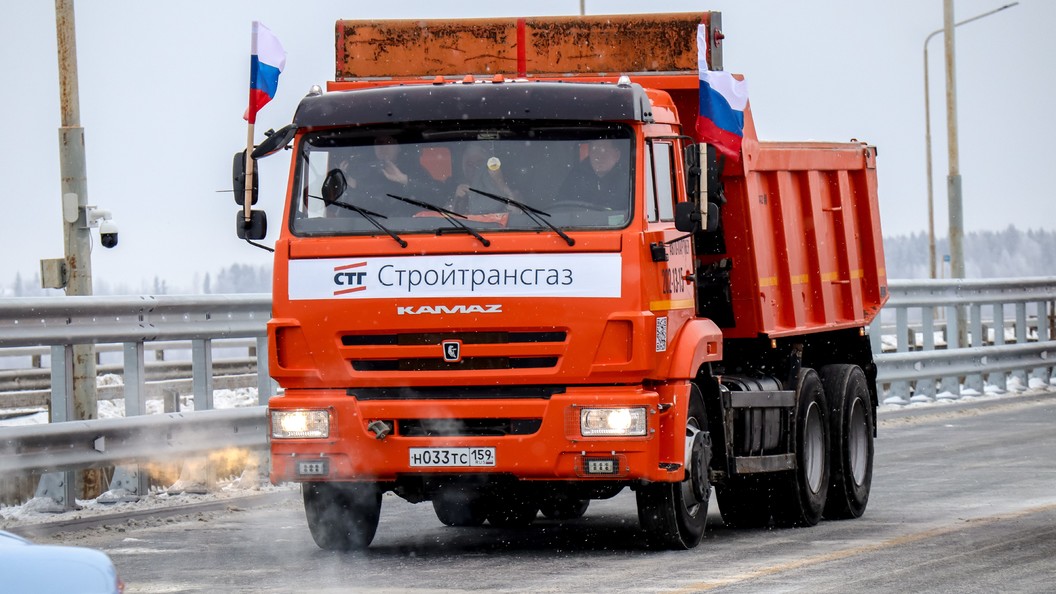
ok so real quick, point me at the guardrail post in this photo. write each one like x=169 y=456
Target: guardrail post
x=998 y=378
x=1042 y=310
x=925 y=391
x=202 y=373
x=130 y=483
x=1021 y=338
x=951 y=386
x=974 y=381
x=135 y=379
x=199 y=476
x=900 y=392
x=59 y=487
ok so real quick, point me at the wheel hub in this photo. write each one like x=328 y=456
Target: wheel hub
x=698 y=457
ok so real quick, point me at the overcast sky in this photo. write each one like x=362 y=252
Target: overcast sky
x=163 y=86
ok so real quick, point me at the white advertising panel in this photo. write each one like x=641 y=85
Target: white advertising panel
x=513 y=275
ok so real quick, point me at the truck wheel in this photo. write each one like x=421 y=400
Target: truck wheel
x=673 y=515
x=563 y=508
x=800 y=495
x=460 y=508
x=851 y=447
x=342 y=516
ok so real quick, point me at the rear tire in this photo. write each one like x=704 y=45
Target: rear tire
x=851 y=447
x=800 y=495
x=674 y=515
x=342 y=516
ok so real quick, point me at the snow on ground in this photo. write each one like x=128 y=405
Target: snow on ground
x=1013 y=386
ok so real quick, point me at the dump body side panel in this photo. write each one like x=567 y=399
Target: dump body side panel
x=802 y=229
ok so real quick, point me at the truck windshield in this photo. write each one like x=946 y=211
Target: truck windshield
x=574 y=175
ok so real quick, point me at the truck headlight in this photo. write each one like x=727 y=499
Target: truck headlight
x=607 y=422
x=300 y=424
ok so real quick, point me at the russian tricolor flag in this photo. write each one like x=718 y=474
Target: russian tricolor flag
x=268 y=61
x=722 y=102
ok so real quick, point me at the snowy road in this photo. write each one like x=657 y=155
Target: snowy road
x=964 y=500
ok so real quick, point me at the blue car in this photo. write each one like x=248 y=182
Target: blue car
x=46 y=569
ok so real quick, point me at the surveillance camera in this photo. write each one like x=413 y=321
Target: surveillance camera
x=108 y=233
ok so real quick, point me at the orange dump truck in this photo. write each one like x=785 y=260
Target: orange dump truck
x=510 y=279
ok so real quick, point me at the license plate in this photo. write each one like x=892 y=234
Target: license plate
x=313 y=468
x=452 y=457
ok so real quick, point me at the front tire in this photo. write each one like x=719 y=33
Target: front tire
x=851 y=450
x=342 y=516
x=674 y=515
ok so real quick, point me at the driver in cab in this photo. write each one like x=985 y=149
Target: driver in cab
x=600 y=179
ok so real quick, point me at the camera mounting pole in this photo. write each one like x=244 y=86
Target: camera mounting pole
x=77 y=236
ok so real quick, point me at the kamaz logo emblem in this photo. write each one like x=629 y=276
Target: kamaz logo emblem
x=452 y=350
x=411 y=310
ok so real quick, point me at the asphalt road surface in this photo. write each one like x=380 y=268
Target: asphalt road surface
x=963 y=500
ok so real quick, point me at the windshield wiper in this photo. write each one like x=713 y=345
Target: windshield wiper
x=447 y=214
x=371 y=216
x=533 y=213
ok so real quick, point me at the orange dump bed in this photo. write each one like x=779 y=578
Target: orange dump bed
x=802 y=228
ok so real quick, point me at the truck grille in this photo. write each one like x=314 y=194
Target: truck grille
x=466 y=427
x=455 y=392
x=475 y=363
x=425 y=338
x=403 y=352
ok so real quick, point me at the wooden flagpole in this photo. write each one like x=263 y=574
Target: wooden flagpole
x=247 y=203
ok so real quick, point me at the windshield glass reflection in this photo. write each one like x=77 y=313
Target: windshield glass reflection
x=490 y=177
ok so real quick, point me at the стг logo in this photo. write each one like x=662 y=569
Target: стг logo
x=352 y=281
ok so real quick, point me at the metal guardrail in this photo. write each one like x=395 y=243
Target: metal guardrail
x=61 y=323
x=127 y=440
x=133 y=321
x=1019 y=312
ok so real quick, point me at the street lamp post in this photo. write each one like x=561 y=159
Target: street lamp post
x=927 y=136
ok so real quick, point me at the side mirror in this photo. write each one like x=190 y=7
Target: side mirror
x=238 y=179
x=255 y=228
x=274 y=141
x=334 y=186
x=694 y=217
x=688 y=216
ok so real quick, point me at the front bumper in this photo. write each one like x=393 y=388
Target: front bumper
x=554 y=451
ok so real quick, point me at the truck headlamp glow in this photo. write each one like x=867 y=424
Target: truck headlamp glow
x=300 y=424
x=608 y=422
